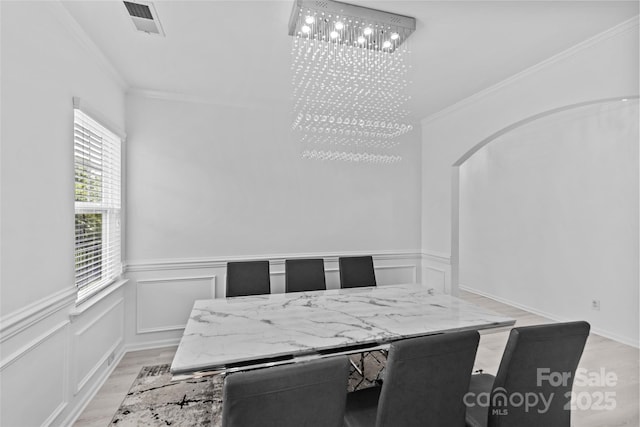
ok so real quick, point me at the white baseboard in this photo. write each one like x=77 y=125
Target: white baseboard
x=555 y=318
x=91 y=393
x=150 y=345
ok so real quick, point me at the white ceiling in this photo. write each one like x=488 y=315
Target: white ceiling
x=238 y=52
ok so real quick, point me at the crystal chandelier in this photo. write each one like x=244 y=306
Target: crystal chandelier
x=349 y=67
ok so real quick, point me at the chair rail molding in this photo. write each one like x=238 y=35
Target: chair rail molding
x=20 y=320
x=162 y=292
x=440 y=257
x=274 y=259
x=12 y=358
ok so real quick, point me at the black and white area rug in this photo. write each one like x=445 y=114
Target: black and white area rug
x=154 y=400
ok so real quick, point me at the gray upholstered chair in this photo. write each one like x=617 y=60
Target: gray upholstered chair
x=356 y=271
x=248 y=278
x=534 y=360
x=425 y=382
x=304 y=275
x=310 y=394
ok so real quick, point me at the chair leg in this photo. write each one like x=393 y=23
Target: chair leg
x=363 y=356
x=355 y=366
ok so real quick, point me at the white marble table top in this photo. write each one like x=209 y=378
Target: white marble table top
x=228 y=332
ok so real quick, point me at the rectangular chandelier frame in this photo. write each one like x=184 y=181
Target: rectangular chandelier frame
x=348 y=24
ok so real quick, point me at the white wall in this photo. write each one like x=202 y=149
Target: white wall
x=209 y=183
x=549 y=216
x=216 y=166
x=604 y=67
x=48 y=356
x=237 y=177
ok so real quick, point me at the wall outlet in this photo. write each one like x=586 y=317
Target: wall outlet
x=111 y=358
x=595 y=304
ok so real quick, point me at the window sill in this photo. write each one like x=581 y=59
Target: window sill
x=91 y=300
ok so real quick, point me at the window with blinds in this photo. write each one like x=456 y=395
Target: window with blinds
x=97 y=204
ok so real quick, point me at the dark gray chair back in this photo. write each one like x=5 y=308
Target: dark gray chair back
x=356 y=271
x=310 y=394
x=248 y=278
x=304 y=275
x=556 y=350
x=426 y=381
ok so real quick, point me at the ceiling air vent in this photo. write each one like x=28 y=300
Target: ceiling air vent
x=144 y=17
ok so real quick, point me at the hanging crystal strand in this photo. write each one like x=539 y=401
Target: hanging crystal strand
x=348 y=93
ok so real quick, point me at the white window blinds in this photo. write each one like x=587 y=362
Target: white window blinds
x=97 y=153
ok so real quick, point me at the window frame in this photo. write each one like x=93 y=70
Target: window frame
x=87 y=291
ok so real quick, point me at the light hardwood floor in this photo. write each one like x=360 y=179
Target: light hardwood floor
x=600 y=354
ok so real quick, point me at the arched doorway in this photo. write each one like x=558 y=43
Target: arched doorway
x=545 y=211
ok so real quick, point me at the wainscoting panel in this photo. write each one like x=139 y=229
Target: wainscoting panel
x=436 y=272
x=164 y=304
x=96 y=341
x=34 y=380
x=162 y=292
x=436 y=278
x=396 y=274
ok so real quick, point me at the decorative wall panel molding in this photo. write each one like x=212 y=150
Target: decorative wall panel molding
x=165 y=295
x=436 y=278
x=12 y=358
x=96 y=341
x=41 y=367
x=164 y=303
x=436 y=271
x=396 y=274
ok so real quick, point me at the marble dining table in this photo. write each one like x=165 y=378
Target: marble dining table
x=237 y=333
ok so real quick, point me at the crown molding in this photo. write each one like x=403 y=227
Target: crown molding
x=173 y=96
x=83 y=39
x=617 y=30
x=162 y=95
